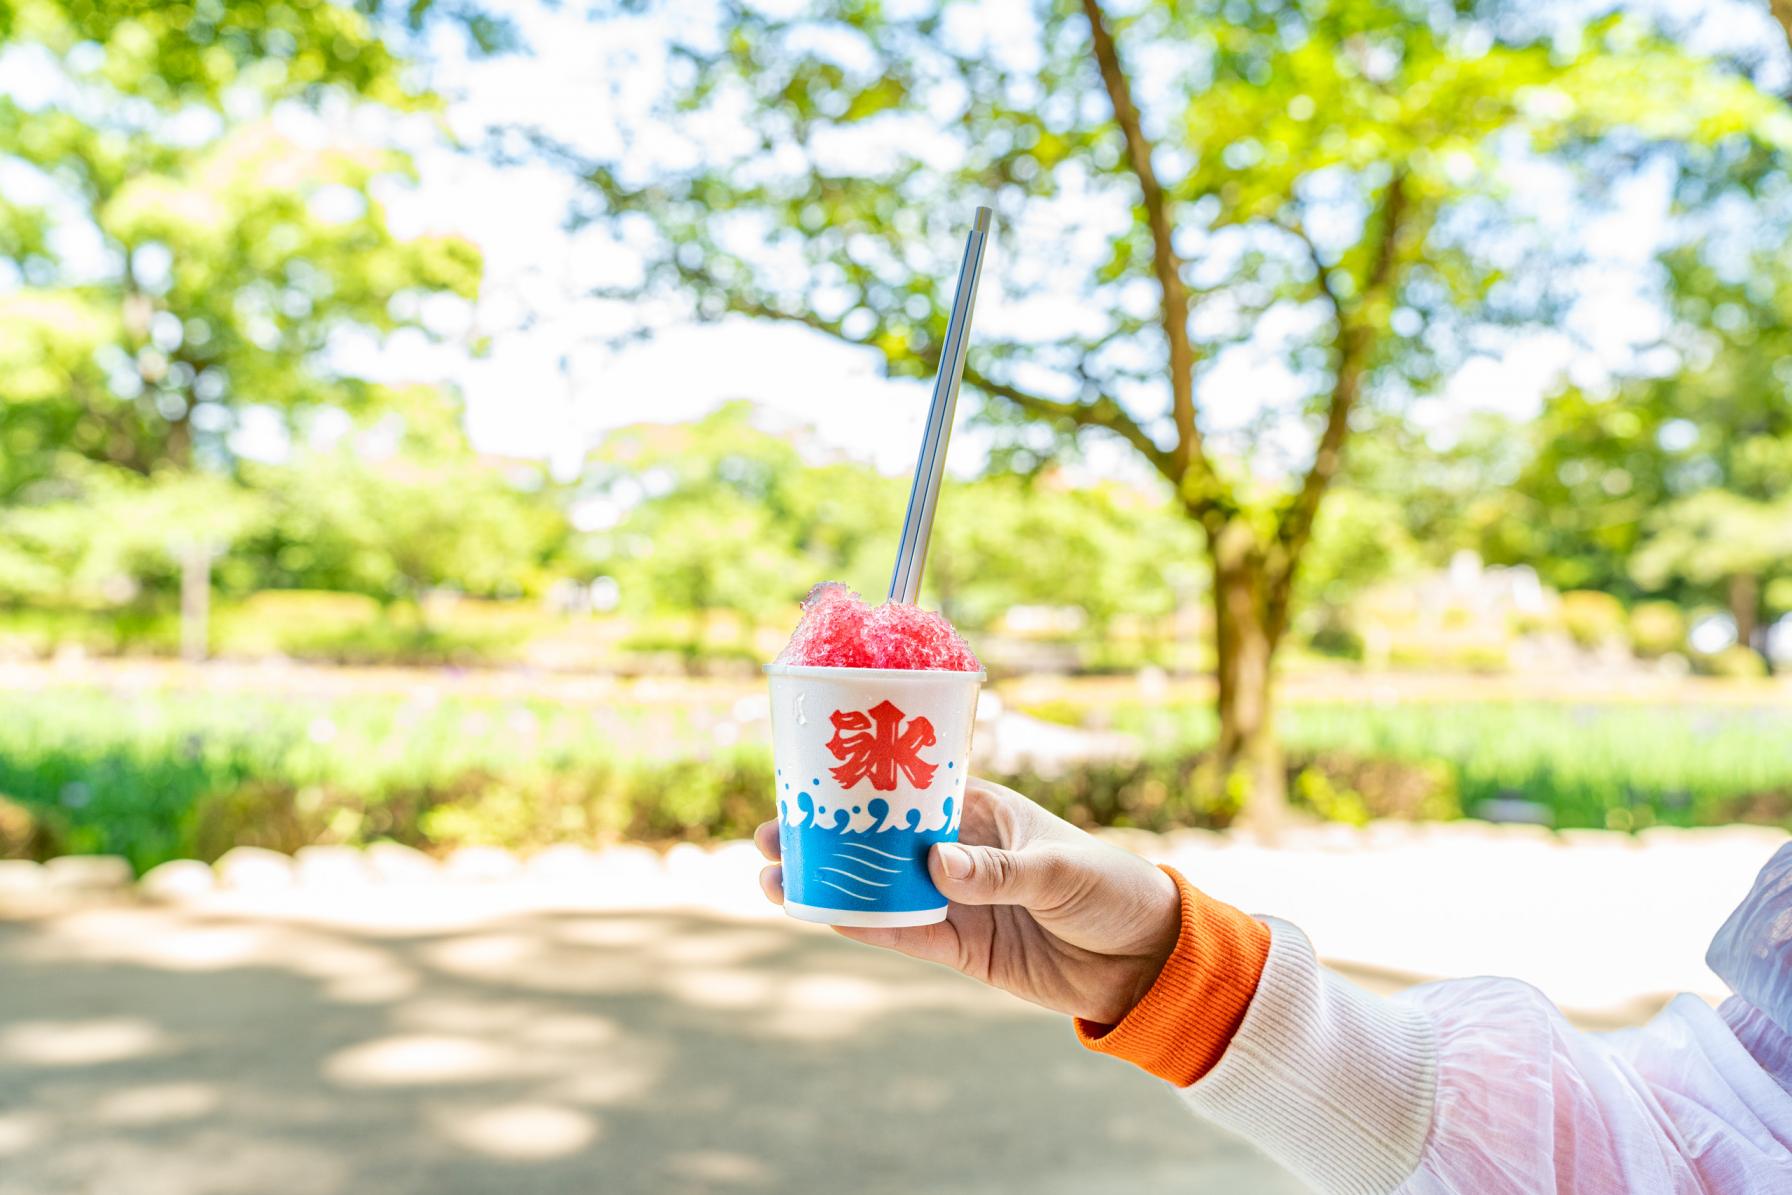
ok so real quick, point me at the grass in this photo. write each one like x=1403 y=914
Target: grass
x=155 y=775
x=1592 y=765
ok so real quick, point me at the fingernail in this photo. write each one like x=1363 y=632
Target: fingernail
x=955 y=861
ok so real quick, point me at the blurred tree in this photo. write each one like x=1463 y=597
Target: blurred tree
x=721 y=515
x=96 y=535
x=1739 y=546
x=1359 y=539
x=402 y=507
x=1680 y=482
x=178 y=253
x=1107 y=552
x=1185 y=188
x=1596 y=469
x=717 y=516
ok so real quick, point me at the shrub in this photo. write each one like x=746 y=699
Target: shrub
x=266 y=813
x=1657 y=628
x=1335 y=638
x=27 y=833
x=1735 y=662
x=1592 y=618
x=1058 y=711
x=160 y=776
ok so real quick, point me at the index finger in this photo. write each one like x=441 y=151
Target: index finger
x=766 y=839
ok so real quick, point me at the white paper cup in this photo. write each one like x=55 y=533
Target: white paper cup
x=871 y=769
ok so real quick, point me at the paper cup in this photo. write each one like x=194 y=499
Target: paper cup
x=871 y=769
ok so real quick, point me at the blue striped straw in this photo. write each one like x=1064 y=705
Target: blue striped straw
x=930 y=468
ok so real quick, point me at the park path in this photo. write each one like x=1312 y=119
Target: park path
x=625 y=1023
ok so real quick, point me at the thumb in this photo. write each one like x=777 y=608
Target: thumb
x=987 y=875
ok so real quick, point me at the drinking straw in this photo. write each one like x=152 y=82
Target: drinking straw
x=930 y=468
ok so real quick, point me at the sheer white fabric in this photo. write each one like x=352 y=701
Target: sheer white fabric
x=1526 y=1103
x=1695 y=1101
x=1480 y=1087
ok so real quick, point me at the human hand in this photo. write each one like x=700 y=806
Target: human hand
x=1039 y=908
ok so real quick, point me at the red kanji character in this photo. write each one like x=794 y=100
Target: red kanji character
x=881 y=752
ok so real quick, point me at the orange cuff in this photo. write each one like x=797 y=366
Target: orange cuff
x=1187 y=1019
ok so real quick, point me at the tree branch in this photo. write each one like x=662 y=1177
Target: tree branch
x=1189 y=452
x=1103 y=413
x=1321 y=271
x=1355 y=339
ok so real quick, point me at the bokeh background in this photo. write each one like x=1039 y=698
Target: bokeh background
x=419 y=420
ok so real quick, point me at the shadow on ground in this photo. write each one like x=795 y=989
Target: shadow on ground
x=161 y=1052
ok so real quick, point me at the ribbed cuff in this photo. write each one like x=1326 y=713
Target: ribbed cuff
x=1335 y=1084
x=1182 y=1026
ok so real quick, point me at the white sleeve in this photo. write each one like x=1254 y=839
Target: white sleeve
x=1479 y=1087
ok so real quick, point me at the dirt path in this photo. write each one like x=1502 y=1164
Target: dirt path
x=185 y=1051
x=637 y=1024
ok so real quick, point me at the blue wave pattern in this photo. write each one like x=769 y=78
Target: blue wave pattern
x=828 y=866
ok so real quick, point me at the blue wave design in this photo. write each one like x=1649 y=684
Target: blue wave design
x=873 y=866
x=857 y=879
x=848 y=892
x=887 y=854
x=829 y=866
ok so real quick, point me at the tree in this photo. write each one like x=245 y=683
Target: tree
x=1108 y=552
x=400 y=507
x=176 y=258
x=724 y=516
x=711 y=517
x=1738 y=546
x=1182 y=188
x=1677 y=481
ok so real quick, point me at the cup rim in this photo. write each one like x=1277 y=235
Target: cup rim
x=814 y=672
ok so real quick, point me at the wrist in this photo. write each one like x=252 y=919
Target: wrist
x=1185 y=1020
x=1164 y=914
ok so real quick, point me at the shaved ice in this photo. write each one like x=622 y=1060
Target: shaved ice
x=839 y=630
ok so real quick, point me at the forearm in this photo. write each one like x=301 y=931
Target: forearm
x=1334 y=1083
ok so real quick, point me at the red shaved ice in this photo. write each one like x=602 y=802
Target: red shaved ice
x=839 y=630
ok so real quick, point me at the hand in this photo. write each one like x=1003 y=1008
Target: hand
x=1039 y=908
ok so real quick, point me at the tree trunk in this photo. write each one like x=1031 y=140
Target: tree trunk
x=1249 y=758
x=195 y=601
x=1745 y=611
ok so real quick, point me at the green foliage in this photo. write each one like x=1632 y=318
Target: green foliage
x=1676 y=484
x=1713 y=535
x=1279 y=133
x=719 y=516
x=421 y=514
x=111 y=533
x=1109 y=552
x=187 y=257
x=155 y=776
x=1680 y=765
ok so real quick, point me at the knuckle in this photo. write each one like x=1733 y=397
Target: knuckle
x=1058 y=878
x=998 y=867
